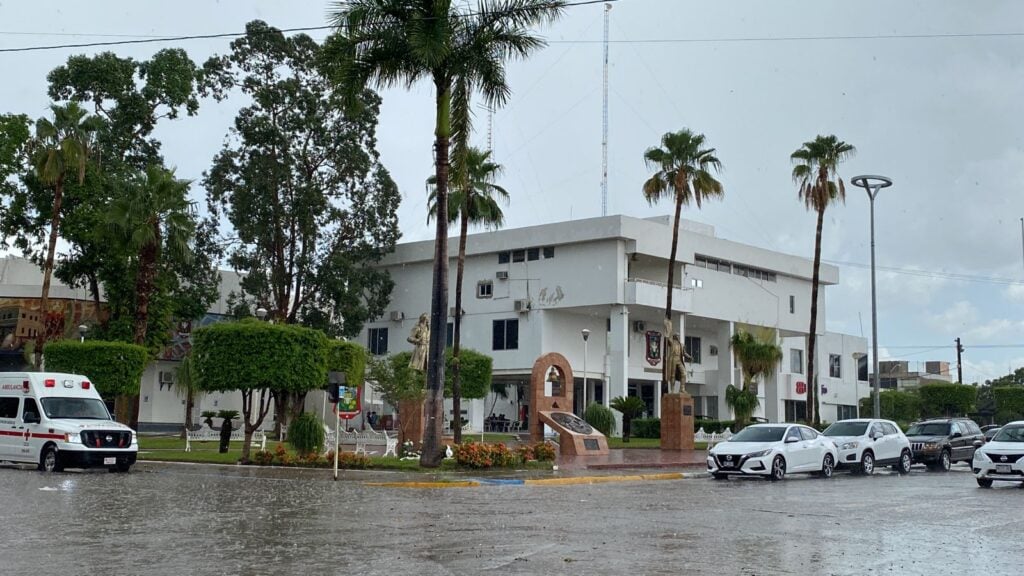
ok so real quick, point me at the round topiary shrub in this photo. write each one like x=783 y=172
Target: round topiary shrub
x=600 y=417
x=306 y=434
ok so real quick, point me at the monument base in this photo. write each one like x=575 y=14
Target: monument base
x=677 y=422
x=577 y=438
x=410 y=422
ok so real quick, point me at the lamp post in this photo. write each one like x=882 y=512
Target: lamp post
x=82 y=329
x=261 y=313
x=872 y=184
x=586 y=336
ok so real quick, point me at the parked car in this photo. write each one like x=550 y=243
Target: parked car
x=940 y=442
x=773 y=450
x=865 y=443
x=1002 y=458
x=990 y=432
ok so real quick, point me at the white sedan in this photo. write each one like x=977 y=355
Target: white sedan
x=1001 y=458
x=772 y=450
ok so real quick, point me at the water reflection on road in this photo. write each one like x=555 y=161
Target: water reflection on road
x=197 y=520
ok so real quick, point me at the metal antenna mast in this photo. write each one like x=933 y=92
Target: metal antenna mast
x=490 y=128
x=604 y=123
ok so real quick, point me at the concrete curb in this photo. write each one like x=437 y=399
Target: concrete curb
x=570 y=481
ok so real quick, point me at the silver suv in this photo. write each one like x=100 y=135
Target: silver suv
x=865 y=443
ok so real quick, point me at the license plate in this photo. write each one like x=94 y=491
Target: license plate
x=109 y=461
x=1002 y=468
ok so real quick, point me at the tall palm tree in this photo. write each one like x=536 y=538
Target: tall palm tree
x=61 y=148
x=683 y=171
x=816 y=174
x=758 y=356
x=474 y=200
x=461 y=50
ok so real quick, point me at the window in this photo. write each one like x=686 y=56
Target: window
x=449 y=336
x=955 y=428
x=835 y=366
x=518 y=255
x=533 y=254
x=876 y=430
x=889 y=429
x=808 y=434
x=795 y=410
x=29 y=406
x=844 y=412
x=796 y=361
x=862 y=368
x=792 y=304
x=887 y=383
x=700 y=262
x=549 y=252
x=696 y=283
x=377 y=341
x=503 y=257
x=484 y=289
x=8 y=407
x=711 y=407
x=692 y=346
x=505 y=334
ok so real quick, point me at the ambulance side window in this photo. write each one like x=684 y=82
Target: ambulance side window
x=8 y=407
x=30 y=406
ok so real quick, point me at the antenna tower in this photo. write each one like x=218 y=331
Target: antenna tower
x=604 y=123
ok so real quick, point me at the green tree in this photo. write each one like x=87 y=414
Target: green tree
x=898 y=405
x=115 y=368
x=684 y=171
x=398 y=384
x=61 y=148
x=461 y=50
x=474 y=200
x=476 y=371
x=947 y=399
x=630 y=408
x=185 y=385
x=816 y=173
x=259 y=359
x=758 y=356
x=15 y=134
x=1009 y=402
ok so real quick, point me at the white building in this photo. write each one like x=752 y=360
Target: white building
x=530 y=291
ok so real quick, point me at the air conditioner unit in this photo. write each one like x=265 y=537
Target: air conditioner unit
x=167 y=377
x=501 y=274
x=639 y=326
x=522 y=305
x=397 y=316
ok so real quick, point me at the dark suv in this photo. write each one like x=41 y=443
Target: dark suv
x=938 y=443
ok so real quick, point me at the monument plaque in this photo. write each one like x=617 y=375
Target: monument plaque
x=576 y=436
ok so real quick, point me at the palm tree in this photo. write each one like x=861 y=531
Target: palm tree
x=758 y=356
x=473 y=200
x=61 y=147
x=684 y=167
x=461 y=50
x=816 y=174
x=630 y=407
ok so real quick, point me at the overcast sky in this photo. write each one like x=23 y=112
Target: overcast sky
x=941 y=116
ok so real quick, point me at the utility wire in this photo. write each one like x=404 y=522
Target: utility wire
x=933 y=274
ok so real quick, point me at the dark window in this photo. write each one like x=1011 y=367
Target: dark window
x=700 y=262
x=796 y=361
x=29 y=406
x=449 y=337
x=533 y=254
x=795 y=410
x=887 y=383
x=518 y=255
x=835 y=366
x=792 y=304
x=378 y=341
x=549 y=252
x=503 y=257
x=846 y=412
x=484 y=289
x=505 y=334
x=8 y=407
x=692 y=346
x=808 y=434
x=862 y=368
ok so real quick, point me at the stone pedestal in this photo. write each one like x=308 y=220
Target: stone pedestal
x=677 y=422
x=410 y=422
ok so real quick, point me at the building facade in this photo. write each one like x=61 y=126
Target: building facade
x=898 y=375
x=534 y=290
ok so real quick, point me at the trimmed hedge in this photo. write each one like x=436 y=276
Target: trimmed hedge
x=713 y=426
x=347 y=357
x=646 y=428
x=474 y=374
x=896 y=405
x=947 y=399
x=1009 y=403
x=115 y=368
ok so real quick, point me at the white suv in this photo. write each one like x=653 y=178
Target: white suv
x=865 y=443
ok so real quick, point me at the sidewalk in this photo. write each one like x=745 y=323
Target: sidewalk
x=636 y=459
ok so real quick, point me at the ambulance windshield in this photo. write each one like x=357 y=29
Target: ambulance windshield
x=79 y=408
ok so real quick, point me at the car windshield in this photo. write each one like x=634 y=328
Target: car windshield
x=760 y=434
x=846 y=429
x=929 y=429
x=1010 y=434
x=82 y=408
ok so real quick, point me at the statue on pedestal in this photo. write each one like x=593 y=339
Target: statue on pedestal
x=420 y=339
x=675 y=360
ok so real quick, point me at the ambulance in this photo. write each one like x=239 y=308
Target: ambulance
x=58 y=421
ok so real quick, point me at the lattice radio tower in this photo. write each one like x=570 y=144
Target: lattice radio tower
x=604 y=120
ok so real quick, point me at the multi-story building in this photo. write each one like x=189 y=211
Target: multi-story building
x=534 y=290
x=897 y=375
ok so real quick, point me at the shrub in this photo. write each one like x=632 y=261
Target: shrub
x=601 y=418
x=897 y=405
x=947 y=399
x=306 y=434
x=282 y=457
x=347 y=460
x=714 y=426
x=647 y=428
x=544 y=452
x=263 y=458
x=115 y=368
x=477 y=455
x=1009 y=403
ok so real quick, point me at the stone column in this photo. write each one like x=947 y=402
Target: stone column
x=618 y=350
x=726 y=368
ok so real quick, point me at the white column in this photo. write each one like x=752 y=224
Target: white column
x=618 y=351
x=726 y=368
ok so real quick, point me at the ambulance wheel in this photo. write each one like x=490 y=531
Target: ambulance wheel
x=49 y=462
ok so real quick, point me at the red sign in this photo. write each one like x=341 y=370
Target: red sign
x=801 y=388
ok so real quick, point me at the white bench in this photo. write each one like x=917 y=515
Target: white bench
x=207 y=434
x=364 y=438
x=713 y=438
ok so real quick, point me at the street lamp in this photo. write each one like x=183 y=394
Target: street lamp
x=82 y=329
x=871 y=185
x=261 y=313
x=586 y=335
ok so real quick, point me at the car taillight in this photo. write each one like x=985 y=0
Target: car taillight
x=85 y=384
x=50 y=383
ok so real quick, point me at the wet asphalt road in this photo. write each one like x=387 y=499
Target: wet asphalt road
x=177 y=520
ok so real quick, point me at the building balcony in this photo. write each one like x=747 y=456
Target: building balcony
x=641 y=292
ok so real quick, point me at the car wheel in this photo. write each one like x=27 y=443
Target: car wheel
x=944 y=461
x=124 y=468
x=867 y=463
x=49 y=462
x=984 y=482
x=718 y=476
x=778 y=469
x=828 y=466
x=903 y=467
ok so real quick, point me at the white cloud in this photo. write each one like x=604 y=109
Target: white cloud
x=998 y=327
x=1014 y=293
x=961 y=314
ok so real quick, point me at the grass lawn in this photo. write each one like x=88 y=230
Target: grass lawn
x=646 y=443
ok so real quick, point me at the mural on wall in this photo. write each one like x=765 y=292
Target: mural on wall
x=550 y=297
x=653 y=348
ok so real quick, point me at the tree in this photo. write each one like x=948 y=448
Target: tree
x=15 y=134
x=819 y=186
x=115 y=368
x=399 y=385
x=902 y=406
x=461 y=50
x=946 y=399
x=61 y=147
x=630 y=407
x=259 y=359
x=474 y=200
x=185 y=384
x=758 y=357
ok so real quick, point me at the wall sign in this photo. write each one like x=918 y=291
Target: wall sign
x=801 y=388
x=653 y=347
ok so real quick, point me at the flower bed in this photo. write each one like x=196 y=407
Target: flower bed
x=282 y=457
x=477 y=455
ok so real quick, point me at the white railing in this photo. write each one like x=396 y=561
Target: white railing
x=207 y=434
x=713 y=438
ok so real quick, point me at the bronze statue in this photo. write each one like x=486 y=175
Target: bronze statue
x=420 y=339
x=675 y=361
